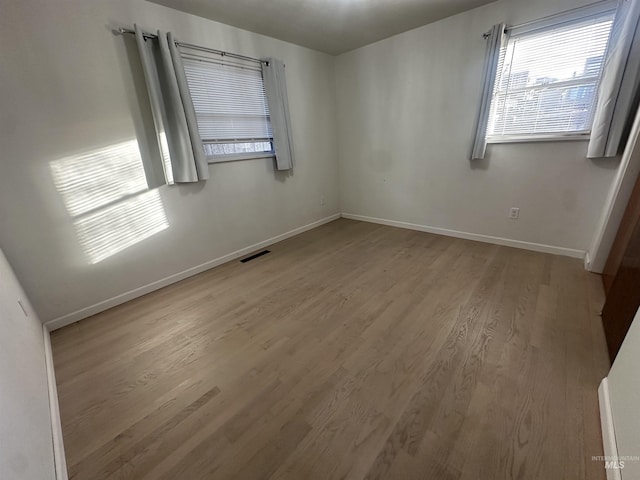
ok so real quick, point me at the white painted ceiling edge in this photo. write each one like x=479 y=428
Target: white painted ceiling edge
x=330 y=26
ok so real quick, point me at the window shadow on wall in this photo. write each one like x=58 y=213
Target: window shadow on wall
x=105 y=192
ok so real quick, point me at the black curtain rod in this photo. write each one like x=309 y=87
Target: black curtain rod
x=198 y=47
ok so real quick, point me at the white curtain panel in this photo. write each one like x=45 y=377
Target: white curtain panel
x=275 y=86
x=202 y=166
x=179 y=142
x=620 y=83
x=492 y=55
x=155 y=166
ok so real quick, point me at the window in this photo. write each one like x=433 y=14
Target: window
x=230 y=105
x=547 y=80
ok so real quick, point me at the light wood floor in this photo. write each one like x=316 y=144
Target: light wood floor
x=351 y=351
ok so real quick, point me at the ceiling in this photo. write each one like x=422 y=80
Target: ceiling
x=331 y=26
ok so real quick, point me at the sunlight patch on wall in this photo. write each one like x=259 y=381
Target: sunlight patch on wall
x=121 y=225
x=94 y=179
x=105 y=191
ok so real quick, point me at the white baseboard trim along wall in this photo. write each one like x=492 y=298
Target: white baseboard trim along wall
x=138 y=292
x=176 y=277
x=56 y=425
x=536 y=247
x=608 y=430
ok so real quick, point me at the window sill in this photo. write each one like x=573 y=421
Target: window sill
x=240 y=157
x=538 y=138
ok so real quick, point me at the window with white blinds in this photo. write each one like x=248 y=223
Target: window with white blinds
x=547 y=80
x=231 y=107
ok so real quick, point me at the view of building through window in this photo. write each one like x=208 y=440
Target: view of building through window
x=547 y=81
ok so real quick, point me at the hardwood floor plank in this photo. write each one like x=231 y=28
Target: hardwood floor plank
x=351 y=351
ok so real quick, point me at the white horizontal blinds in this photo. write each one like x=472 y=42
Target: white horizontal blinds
x=230 y=105
x=229 y=101
x=548 y=79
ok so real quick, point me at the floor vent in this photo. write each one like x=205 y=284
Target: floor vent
x=255 y=255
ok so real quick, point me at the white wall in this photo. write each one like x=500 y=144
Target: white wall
x=26 y=447
x=405 y=113
x=407 y=109
x=617 y=200
x=624 y=394
x=68 y=86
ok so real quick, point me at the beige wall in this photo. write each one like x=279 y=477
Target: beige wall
x=26 y=448
x=624 y=393
x=70 y=86
x=407 y=110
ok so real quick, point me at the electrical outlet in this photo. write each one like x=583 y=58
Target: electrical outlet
x=322 y=201
x=514 y=213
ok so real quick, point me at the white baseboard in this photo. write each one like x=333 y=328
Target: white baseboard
x=176 y=277
x=56 y=426
x=608 y=430
x=143 y=290
x=536 y=247
x=587 y=261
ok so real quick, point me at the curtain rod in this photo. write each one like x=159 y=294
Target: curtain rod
x=599 y=6
x=198 y=47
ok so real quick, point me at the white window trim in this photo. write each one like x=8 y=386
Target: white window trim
x=570 y=16
x=533 y=138
x=232 y=157
x=547 y=23
x=211 y=159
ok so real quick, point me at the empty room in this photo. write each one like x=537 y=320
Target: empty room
x=319 y=239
